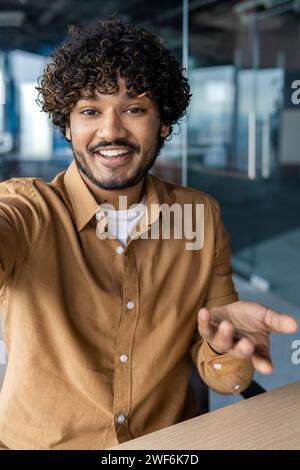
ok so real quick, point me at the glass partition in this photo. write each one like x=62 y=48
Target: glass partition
x=241 y=138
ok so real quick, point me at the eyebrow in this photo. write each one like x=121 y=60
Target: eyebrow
x=93 y=97
x=87 y=98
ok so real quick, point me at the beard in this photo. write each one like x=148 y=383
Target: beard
x=117 y=182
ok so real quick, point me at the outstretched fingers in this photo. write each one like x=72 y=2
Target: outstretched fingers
x=279 y=322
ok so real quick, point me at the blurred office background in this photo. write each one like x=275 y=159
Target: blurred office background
x=240 y=140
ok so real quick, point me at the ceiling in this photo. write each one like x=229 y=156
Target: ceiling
x=34 y=24
x=29 y=24
x=39 y=25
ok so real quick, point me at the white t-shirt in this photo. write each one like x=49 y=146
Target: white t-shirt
x=122 y=223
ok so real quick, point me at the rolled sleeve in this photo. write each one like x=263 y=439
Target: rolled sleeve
x=221 y=289
x=222 y=372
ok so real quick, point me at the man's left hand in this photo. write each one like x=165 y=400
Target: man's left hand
x=242 y=329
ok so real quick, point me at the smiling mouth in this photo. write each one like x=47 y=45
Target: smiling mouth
x=113 y=153
x=114 y=157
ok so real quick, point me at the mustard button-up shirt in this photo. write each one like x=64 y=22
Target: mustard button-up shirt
x=101 y=340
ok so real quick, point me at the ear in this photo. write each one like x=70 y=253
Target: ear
x=68 y=132
x=164 y=130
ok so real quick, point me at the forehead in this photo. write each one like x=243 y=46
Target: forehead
x=121 y=93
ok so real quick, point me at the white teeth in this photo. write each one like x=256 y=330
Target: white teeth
x=113 y=153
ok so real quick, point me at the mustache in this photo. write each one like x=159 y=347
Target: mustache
x=117 y=143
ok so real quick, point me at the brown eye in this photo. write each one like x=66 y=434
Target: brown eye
x=88 y=112
x=135 y=110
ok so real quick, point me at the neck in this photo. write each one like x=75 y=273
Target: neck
x=133 y=194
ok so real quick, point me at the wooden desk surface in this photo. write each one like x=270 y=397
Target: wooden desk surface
x=268 y=421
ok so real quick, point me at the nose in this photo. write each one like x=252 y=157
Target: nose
x=111 y=127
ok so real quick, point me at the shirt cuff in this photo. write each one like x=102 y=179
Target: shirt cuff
x=222 y=372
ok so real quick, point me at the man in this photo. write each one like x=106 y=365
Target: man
x=101 y=330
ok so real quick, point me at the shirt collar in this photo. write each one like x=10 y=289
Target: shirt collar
x=85 y=205
x=83 y=202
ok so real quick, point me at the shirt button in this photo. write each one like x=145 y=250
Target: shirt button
x=217 y=366
x=130 y=305
x=121 y=419
x=99 y=216
x=123 y=358
x=120 y=250
x=236 y=387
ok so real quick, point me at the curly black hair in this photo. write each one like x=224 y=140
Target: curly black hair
x=92 y=55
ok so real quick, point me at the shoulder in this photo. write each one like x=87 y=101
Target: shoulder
x=19 y=185
x=172 y=192
x=31 y=187
x=21 y=188
x=25 y=196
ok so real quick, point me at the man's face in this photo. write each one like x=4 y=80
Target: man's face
x=115 y=138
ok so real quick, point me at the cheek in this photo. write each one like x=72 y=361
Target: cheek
x=147 y=136
x=80 y=135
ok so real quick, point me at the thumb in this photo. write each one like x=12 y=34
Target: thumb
x=280 y=323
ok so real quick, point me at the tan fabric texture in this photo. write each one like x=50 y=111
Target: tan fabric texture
x=95 y=336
